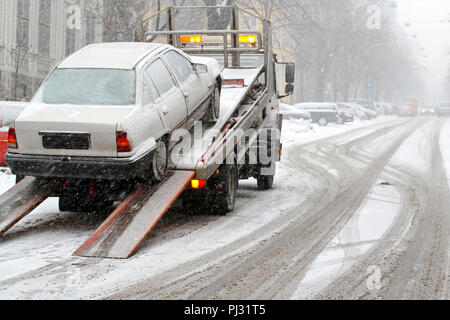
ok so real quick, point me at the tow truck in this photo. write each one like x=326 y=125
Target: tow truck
x=205 y=171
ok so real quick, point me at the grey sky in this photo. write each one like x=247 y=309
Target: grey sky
x=430 y=24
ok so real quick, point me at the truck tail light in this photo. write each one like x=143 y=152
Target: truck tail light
x=123 y=143
x=12 y=139
x=198 y=184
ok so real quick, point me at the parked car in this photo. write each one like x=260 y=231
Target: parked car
x=321 y=113
x=369 y=105
x=346 y=112
x=428 y=111
x=444 y=109
x=108 y=112
x=359 y=111
x=380 y=109
x=9 y=111
x=387 y=108
x=289 y=112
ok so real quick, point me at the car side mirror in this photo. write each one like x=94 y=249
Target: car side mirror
x=200 y=68
x=289 y=89
x=290 y=73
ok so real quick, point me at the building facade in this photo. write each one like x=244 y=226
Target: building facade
x=36 y=34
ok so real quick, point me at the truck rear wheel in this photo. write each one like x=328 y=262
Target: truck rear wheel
x=265 y=182
x=225 y=199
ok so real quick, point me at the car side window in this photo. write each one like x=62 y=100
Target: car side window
x=161 y=77
x=181 y=66
x=150 y=93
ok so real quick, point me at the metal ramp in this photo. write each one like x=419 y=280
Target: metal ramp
x=121 y=235
x=21 y=200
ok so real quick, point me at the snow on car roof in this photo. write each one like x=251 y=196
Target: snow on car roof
x=114 y=55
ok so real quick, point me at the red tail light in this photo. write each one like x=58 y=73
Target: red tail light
x=12 y=140
x=123 y=143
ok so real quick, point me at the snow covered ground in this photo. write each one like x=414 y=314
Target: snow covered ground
x=35 y=256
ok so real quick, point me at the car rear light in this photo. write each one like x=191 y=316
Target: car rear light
x=198 y=184
x=12 y=140
x=123 y=143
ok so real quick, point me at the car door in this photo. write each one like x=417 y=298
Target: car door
x=194 y=86
x=148 y=120
x=171 y=100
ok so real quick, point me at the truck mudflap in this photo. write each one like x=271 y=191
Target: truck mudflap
x=22 y=199
x=123 y=232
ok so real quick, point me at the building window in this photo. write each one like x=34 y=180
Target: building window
x=90 y=28
x=23 y=24
x=44 y=26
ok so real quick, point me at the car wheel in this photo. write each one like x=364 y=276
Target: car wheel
x=160 y=162
x=323 y=122
x=213 y=113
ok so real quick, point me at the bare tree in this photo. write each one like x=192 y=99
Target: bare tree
x=20 y=55
x=218 y=19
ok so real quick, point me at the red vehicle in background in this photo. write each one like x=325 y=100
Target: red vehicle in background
x=3 y=147
x=409 y=108
x=9 y=111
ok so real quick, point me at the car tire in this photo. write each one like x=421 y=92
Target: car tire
x=213 y=112
x=159 y=162
x=323 y=122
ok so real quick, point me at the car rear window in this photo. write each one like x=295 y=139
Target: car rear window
x=89 y=87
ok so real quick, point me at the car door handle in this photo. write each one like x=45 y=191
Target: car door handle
x=165 y=110
x=187 y=95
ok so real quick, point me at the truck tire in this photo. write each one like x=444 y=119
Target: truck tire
x=265 y=182
x=225 y=199
x=159 y=162
x=213 y=112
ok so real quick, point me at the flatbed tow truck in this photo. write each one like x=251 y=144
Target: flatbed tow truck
x=245 y=143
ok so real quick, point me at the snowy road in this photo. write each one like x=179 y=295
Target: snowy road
x=358 y=211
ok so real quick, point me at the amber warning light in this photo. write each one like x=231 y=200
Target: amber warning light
x=191 y=39
x=248 y=39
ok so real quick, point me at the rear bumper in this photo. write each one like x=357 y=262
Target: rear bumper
x=80 y=167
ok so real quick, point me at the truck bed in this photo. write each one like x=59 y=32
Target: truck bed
x=231 y=99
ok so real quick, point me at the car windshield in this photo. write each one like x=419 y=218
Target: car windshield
x=89 y=87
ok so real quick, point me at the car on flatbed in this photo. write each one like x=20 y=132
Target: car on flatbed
x=108 y=112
